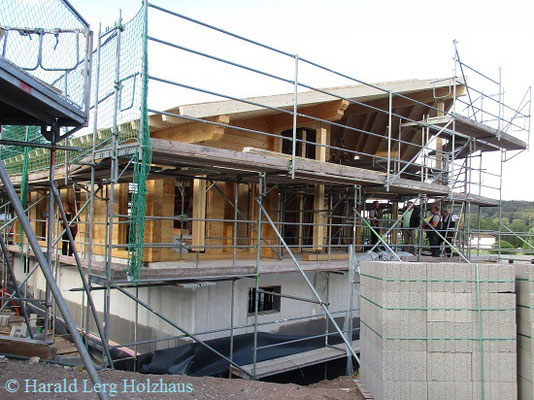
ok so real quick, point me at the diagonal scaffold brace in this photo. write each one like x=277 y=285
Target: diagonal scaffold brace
x=16 y=289
x=48 y=275
x=317 y=296
x=85 y=283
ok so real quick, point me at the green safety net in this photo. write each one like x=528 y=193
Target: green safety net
x=20 y=134
x=119 y=105
x=142 y=161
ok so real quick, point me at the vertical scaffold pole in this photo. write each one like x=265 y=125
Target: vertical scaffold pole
x=500 y=106
x=232 y=312
x=112 y=182
x=50 y=230
x=259 y=199
x=295 y=109
x=454 y=95
x=92 y=184
x=390 y=109
x=236 y=216
x=350 y=310
x=500 y=206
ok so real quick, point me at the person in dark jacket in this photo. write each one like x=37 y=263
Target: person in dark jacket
x=433 y=237
x=374 y=220
x=408 y=233
x=66 y=248
x=415 y=223
x=415 y=218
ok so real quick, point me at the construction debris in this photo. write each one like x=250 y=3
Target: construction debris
x=27 y=347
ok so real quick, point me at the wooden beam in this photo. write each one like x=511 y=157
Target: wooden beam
x=172 y=120
x=302 y=144
x=427 y=97
x=193 y=132
x=362 y=137
x=408 y=152
x=373 y=139
x=155 y=122
x=382 y=153
x=199 y=212
x=439 y=140
x=324 y=256
x=331 y=111
x=319 y=217
x=160 y=202
x=322 y=136
x=236 y=139
x=26 y=347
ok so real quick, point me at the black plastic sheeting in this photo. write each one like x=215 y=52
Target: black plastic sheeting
x=196 y=360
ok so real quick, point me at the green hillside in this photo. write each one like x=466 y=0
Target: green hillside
x=516 y=215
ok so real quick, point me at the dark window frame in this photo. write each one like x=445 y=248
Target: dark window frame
x=267 y=303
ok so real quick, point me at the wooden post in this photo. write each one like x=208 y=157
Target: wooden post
x=199 y=212
x=300 y=232
x=303 y=144
x=160 y=203
x=394 y=216
x=439 y=141
x=322 y=136
x=359 y=223
x=319 y=217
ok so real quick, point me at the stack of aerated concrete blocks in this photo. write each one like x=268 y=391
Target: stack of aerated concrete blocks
x=525 y=331
x=421 y=330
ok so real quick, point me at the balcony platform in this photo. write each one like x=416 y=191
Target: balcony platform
x=292 y=362
x=26 y=100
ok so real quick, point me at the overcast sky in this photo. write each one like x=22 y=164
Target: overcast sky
x=374 y=41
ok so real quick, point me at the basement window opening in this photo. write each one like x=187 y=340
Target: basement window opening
x=267 y=303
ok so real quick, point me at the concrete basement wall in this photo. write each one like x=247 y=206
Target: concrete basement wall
x=201 y=309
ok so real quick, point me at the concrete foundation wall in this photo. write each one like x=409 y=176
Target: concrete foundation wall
x=204 y=308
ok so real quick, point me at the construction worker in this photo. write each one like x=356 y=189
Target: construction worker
x=408 y=233
x=432 y=234
x=415 y=222
x=66 y=248
x=374 y=220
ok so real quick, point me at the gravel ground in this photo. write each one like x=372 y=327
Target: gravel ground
x=35 y=381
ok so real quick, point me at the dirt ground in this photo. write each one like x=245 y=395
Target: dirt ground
x=23 y=380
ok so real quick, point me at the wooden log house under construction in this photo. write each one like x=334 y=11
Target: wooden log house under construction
x=241 y=216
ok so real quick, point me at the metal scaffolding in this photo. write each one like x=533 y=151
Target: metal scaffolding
x=442 y=165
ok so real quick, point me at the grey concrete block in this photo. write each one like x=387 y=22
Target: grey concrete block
x=449 y=367
x=525 y=388
x=495 y=391
x=498 y=367
x=440 y=391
